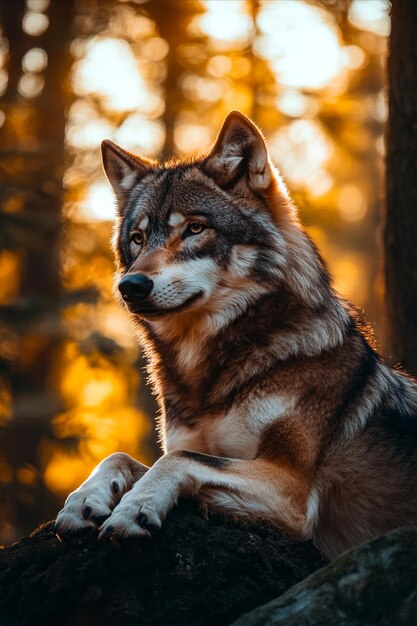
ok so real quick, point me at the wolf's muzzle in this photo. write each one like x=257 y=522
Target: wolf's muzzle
x=135 y=288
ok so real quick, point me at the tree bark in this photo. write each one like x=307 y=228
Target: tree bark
x=194 y=572
x=400 y=235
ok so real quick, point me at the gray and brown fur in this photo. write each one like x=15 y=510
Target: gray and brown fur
x=272 y=403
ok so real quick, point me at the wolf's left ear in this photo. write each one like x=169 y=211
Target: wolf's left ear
x=123 y=170
x=240 y=150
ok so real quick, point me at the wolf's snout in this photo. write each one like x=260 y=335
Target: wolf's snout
x=135 y=288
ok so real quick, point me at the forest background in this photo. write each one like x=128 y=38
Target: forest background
x=158 y=77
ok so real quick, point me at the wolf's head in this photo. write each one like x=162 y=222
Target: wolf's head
x=208 y=236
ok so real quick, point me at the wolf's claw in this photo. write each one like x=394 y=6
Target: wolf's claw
x=105 y=533
x=142 y=520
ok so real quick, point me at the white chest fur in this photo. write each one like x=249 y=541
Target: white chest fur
x=236 y=434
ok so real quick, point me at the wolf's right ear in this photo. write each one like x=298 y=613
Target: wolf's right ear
x=123 y=170
x=239 y=152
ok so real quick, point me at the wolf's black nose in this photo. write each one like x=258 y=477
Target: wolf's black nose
x=135 y=288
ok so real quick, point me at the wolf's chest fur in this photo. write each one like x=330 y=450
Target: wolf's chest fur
x=235 y=434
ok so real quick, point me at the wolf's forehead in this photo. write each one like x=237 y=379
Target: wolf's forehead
x=168 y=199
x=147 y=200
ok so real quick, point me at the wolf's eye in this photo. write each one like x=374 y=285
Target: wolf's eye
x=137 y=238
x=195 y=228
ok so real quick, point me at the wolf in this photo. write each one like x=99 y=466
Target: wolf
x=273 y=405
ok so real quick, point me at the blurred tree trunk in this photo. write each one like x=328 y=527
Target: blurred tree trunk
x=163 y=12
x=166 y=14
x=401 y=216
x=11 y=16
x=32 y=150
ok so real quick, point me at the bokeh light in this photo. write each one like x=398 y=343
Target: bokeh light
x=289 y=29
x=227 y=23
x=371 y=15
x=99 y=203
x=109 y=70
x=34 y=23
x=35 y=60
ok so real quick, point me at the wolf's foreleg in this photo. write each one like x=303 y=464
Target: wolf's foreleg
x=257 y=489
x=87 y=507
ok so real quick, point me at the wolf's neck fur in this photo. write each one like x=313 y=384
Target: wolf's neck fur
x=190 y=357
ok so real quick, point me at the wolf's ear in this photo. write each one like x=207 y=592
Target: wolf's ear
x=240 y=150
x=123 y=169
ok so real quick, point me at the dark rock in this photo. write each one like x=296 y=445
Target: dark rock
x=374 y=585
x=194 y=572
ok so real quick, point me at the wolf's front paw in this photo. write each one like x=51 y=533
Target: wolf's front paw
x=135 y=517
x=88 y=507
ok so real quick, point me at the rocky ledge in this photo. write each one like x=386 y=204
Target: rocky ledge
x=374 y=585
x=201 y=571
x=194 y=572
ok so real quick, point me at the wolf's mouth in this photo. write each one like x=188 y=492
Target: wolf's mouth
x=147 y=311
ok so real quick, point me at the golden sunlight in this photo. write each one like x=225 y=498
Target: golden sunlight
x=141 y=135
x=102 y=432
x=371 y=15
x=351 y=203
x=225 y=22
x=109 y=69
x=302 y=149
x=301 y=43
x=102 y=417
x=191 y=137
x=99 y=203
